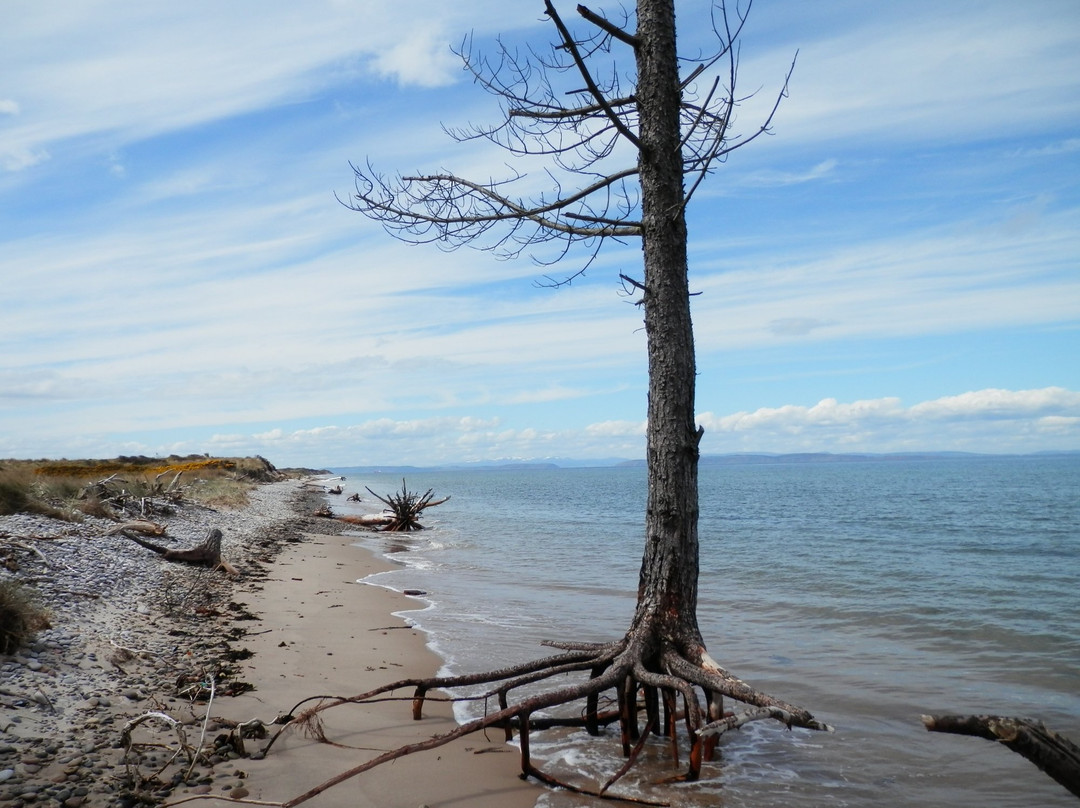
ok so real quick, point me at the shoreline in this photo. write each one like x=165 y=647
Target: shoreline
x=322 y=632
x=129 y=647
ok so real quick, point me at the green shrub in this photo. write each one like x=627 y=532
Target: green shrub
x=20 y=616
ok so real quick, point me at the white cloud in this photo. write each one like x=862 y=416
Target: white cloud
x=981 y=420
x=938 y=281
x=1049 y=401
x=18 y=157
x=620 y=429
x=1059 y=424
x=420 y=57
x=793 y=418
x=1067 y=146
x=991 y=404
x=985 y=421
x=795 y=326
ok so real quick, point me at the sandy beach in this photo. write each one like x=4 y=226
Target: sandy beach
x=322 y=633
x=133 y=638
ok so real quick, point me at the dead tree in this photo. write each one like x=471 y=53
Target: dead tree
x=1052 y=753
x=623 y=163
x=406 y=508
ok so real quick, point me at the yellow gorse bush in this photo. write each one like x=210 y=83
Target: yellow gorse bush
x=92 y=468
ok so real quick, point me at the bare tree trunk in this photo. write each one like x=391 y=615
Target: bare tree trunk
x=662 y=654
x=667 y=593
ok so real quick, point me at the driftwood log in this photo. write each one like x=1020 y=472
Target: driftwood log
x=1053 y=753
x=206 y=554
x=368 y=519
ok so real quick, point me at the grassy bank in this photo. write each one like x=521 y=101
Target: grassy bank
x=67 y=489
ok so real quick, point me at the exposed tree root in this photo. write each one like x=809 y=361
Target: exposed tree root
x=618 y=666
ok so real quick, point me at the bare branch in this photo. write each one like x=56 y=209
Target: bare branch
x=607 y=27
x=571 y=47
x=575 y=112
x=456 y=211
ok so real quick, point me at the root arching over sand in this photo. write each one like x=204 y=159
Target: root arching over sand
x=654 y=684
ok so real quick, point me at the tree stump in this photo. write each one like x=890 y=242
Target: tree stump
x=206 y=554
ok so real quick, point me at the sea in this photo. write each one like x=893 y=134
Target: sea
x=869 y=591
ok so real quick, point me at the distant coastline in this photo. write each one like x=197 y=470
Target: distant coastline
x=733 y=459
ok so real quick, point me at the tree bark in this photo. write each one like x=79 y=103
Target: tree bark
x=667 y=592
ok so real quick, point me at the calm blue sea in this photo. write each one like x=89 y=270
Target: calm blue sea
x=869 y=592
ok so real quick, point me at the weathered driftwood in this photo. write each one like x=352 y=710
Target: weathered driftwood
x=144 y=526
x=406 y=507
x=207 y=554
x=117 y=496
x=1053 y=753
x=368 y=519
x=165 y=718
x=171 y=488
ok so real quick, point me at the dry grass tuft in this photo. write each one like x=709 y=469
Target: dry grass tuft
x=21 y=491
x=20 y=616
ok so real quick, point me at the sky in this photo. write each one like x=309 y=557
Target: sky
x=895 y=267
